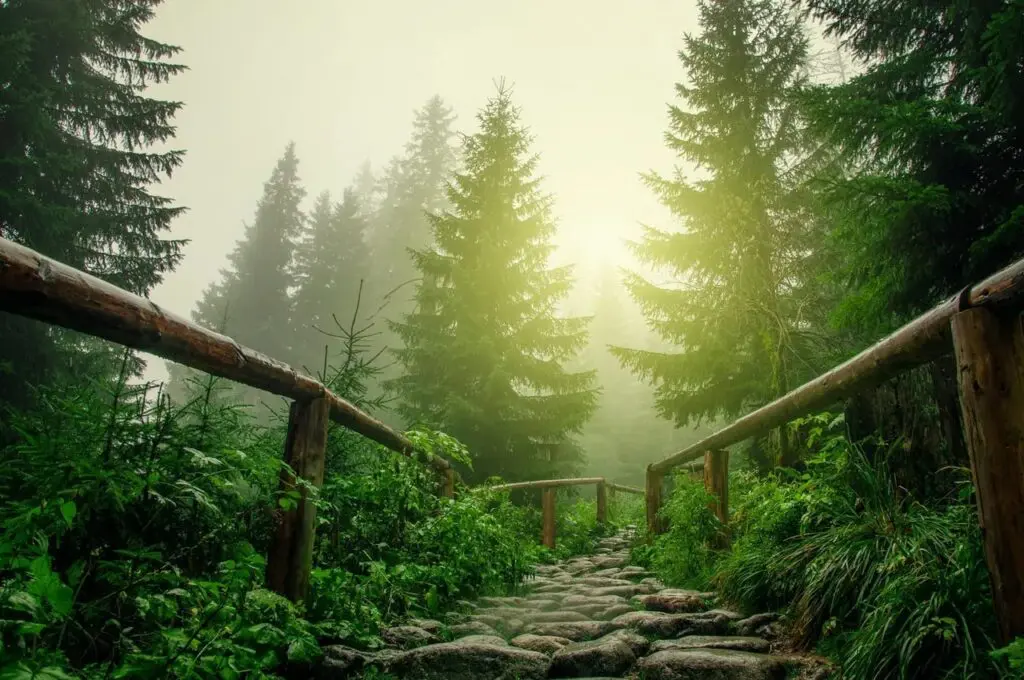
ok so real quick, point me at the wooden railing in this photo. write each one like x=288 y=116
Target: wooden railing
x=548 y=489
x=984 y=324
x=38 y=287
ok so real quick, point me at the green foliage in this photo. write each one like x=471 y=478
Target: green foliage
x=888 y=586
x=134 y=529
x=1013 y=654
x=739 y=301
x=929 y=195
x=83 y=144
x=483 y=352
x=685 y=555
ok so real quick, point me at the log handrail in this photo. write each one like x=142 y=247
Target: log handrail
x=39 y=287
x=983 y=324
x=625 y=489
x=923 y=339
x=543 y=484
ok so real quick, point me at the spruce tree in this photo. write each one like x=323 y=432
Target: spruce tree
x=251 y=301
x=483 y=351
x=76 y=160
x=931 y=132
x=330 y=264
x=736 y=262
x=413 y=186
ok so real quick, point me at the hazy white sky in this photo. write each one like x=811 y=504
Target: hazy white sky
x=342 y=79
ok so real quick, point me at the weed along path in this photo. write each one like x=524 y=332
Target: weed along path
x=587 y=617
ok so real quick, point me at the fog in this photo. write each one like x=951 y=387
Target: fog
x=342 y=80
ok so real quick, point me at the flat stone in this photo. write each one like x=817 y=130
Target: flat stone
x=622 y=591
x=483 y=640
x=604 y=582
x=704 y=664
x=504 y=612
x=636 y=642
x=662 y=625
x=557 y=617
x=429 y=625
x=579 y=631
x=610 y=561
x=340 y=661
x=615 y=610
x=608 y=573
x=545 y=644
x=486 y=619
x=459 y=661
x=550 y=588
x=672 y=601
x=472 y=628
x=608 y=657
x=592 y=610
x=502 y=601
x=544 y=605
x=580 y=600
x=727 y=614
x=749 y=625
x=407 y=637
x=737 y=642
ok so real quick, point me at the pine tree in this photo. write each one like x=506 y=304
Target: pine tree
x=737 y=262
x=931 y=197
x=251 y=302
x=330 y=264
x=413 y=186
x=483 y=350
x=75 y=160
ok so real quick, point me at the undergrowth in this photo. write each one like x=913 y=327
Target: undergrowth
x=889 y=586
x=134 y=531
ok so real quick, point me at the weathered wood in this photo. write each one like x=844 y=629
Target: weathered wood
x=548 y=517
x=627 y=489
x=602 y=502
x=921 y=340
x=655 y=524
x=448 y=483
x=543 y=484
x=38 y=287
x=716 y=483
x=291 y=554
x=990 y=360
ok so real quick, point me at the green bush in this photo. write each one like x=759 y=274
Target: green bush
x=886 y=585
x=133 y=535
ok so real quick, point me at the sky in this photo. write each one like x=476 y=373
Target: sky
x=342 y=79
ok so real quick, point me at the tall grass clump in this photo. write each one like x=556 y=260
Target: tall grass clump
x=887 y=585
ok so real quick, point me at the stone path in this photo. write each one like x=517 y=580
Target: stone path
x=591 y=617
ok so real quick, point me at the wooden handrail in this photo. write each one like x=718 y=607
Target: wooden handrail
x=983 y=325
x=625 y=489
x=543 y=484
x=921 y=340
x=39 y=287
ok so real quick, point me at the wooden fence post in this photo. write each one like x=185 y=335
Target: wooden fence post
x=716 y=482
x=448 y=483
x=990 y=363
x=602 y=502
x=290 y=558
x=655 y=525
x=548 y=508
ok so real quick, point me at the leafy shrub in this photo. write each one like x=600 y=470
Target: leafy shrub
x=887 y=585
x=134 y=529
x=685 y=554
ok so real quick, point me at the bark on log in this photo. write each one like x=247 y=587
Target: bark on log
x=922 y=339
x=655 y=524
x=716 y=482
x=990 y=360
x=548 y=512
x=291 y=553
x=448 y=483
x=602 y=502
x=38 y=287
x=543 y=484
x=626 y=489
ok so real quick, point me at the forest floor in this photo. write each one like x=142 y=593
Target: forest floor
x=590 y=617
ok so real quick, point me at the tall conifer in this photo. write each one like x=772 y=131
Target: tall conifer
x=484 y=353
x=733 y=307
